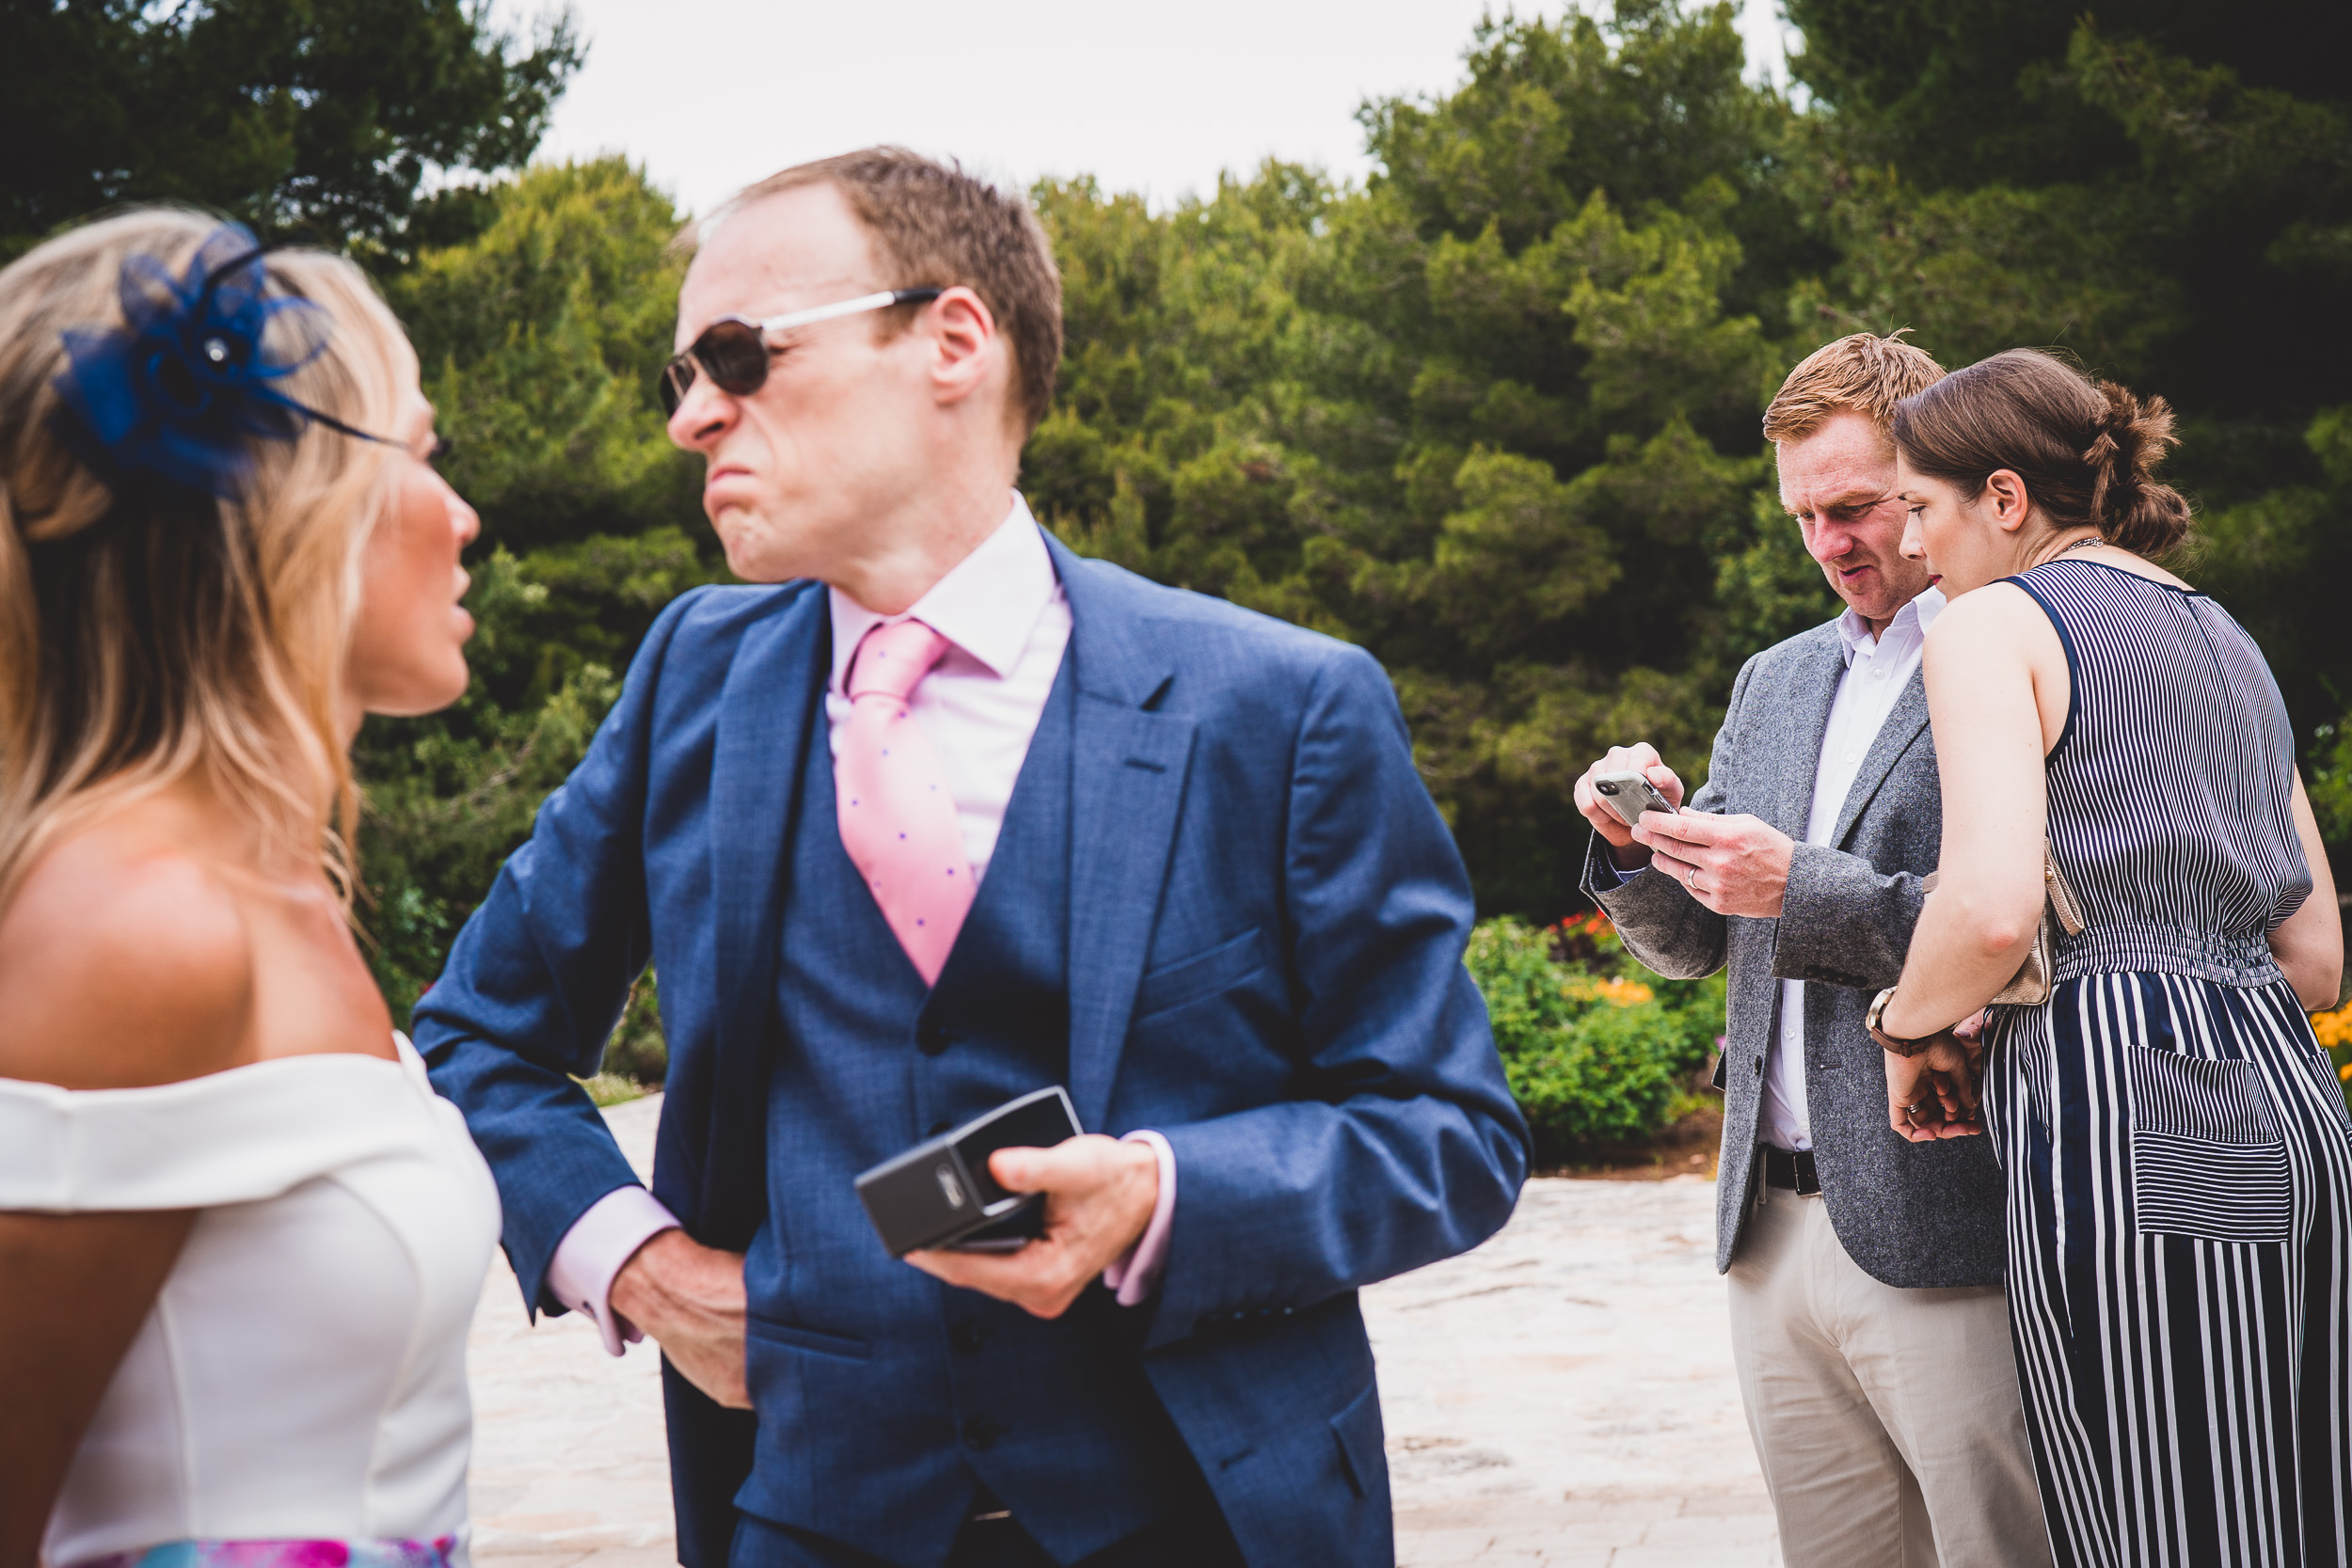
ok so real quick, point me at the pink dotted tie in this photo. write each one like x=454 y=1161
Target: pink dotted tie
x=897 y=820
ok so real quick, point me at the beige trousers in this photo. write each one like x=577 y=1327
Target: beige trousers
x=1887 y=1421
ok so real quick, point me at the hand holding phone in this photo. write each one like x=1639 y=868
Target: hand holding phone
x=1640 y=782
x=942 y=1193
x=1629 y=794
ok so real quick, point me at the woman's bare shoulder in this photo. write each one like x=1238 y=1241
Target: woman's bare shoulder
x=125 y=961
x=1990 y=617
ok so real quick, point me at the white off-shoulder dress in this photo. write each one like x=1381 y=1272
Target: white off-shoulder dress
x=297 y=1396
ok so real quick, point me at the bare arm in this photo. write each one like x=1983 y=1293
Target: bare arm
x=78 y=1288
x=1997 y=688
x=2309 y=944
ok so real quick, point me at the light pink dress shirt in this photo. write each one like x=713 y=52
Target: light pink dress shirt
x=1003 y=609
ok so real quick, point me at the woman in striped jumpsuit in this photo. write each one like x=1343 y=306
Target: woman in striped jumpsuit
x=2177 y=1152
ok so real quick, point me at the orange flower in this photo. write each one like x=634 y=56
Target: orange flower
x=1617 y=994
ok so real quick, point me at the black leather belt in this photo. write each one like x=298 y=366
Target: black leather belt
x=1791 y=1169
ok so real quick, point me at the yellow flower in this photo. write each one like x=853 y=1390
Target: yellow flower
x=1618 y=993
x=2335 y=1028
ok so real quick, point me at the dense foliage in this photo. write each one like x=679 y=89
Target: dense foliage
x=535 y=339
x=1597 y=1048
x=1493 y=417
x=1491 y=414
x=319 y=118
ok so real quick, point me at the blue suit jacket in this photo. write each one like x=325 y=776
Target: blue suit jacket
x=1267 y=922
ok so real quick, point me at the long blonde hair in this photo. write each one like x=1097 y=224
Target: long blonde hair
x=151 y=633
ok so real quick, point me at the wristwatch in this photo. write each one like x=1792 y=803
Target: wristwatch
x=1887 y=1041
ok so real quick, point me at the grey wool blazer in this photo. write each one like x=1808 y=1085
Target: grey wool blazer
x=1917 y=1215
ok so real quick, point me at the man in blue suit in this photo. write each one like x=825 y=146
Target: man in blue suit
x=1201 y=884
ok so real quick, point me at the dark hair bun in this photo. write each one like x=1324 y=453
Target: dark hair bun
x=2133 y=511
x=2084 y=448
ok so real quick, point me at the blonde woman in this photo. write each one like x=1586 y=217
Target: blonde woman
x=240 y=1238
x=2175 y=1143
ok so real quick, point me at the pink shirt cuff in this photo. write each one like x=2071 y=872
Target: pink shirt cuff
x=590 y=1254
x=1137 y=1275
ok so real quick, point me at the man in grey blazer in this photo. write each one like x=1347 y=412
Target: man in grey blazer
x=1867 y=1320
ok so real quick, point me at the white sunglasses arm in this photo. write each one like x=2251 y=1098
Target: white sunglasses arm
x=881 y=301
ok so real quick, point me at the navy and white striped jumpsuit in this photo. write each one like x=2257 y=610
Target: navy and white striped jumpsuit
x=2177 y=1156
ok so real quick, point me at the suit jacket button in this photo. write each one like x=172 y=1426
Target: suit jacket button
x=932 y=1037
x=1757 y=1064
x=980 y=1434
x=968 y=1338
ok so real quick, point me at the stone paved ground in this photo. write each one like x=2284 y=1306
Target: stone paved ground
x=1561 y=1397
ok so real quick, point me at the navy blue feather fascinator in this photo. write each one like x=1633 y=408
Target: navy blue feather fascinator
x=187 y=385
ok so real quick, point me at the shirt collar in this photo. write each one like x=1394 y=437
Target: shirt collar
x=1908 y=628
x=986 y=604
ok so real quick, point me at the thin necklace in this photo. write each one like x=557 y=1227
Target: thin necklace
x=2080 y=544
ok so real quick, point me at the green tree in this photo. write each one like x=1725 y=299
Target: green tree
x=2165 y=191
x=1973 y=92
x=321 y=118
x=538 y=337
x=1492 y=417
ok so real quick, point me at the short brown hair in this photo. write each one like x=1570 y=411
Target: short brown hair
x=936 y=225
x=1864 y=374
x=2084 y=448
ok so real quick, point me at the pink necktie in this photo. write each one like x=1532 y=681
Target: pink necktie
x=898 y=819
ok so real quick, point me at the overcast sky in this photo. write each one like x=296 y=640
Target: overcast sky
x=711 y=95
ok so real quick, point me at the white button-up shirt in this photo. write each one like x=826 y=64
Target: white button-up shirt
x=1877 y=671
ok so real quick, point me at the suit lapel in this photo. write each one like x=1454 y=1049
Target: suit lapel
x=766 y=717
x=1127 y=778
x=1895 y=738
x=1813 y=688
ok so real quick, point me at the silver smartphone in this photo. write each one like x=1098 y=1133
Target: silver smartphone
x=1629 y=794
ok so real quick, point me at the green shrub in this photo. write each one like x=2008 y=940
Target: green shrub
x=1595 y=1050
x=637 y=1050
x=2333 y=1030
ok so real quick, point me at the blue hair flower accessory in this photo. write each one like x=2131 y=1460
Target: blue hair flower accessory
x=185 y=386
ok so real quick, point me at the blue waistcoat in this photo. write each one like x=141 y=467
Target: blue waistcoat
x=1056 y=1417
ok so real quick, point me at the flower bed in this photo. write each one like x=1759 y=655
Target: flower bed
x=1599 y=1051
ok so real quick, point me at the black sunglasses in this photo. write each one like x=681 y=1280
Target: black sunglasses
x=733 y=350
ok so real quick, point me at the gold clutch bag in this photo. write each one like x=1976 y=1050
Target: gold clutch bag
x=2059 y=912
